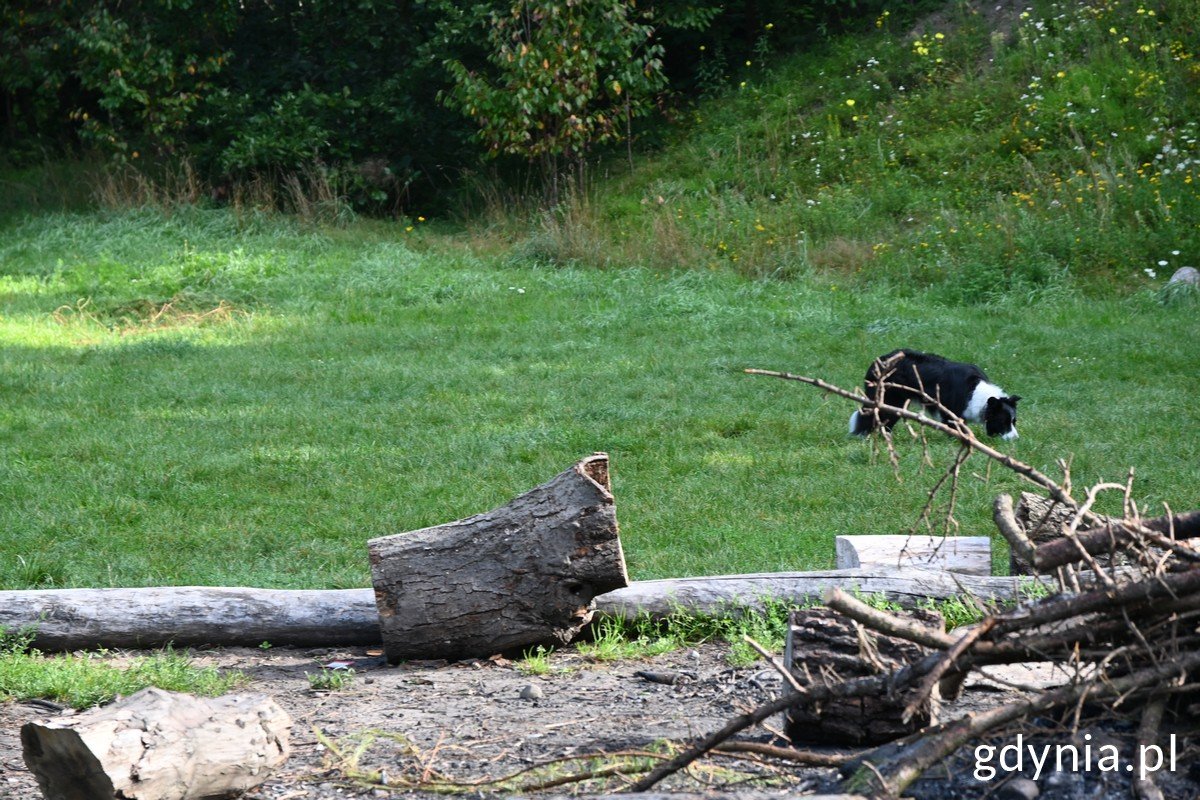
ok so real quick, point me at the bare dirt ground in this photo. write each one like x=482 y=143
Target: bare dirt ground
x=476 y=719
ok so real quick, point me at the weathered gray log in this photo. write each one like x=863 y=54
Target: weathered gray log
x=157 y=745
x=825 y=647
x=968 y=555
x=523 y=574
x=78 y=619
x=720 y=593
x=74 y=619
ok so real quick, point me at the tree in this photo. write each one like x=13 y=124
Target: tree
x=560 y=77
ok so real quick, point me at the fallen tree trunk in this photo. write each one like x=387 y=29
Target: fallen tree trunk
x=520 y=575
x=157 y=745
x=78 y=619
x=721 y=593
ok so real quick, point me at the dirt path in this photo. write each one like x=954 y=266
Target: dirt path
x=469 y=720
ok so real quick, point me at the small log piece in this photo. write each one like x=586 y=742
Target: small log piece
x=824 y=647
x=523 y=574
x=158 y=745
x=1043 y=520
x=966 y=555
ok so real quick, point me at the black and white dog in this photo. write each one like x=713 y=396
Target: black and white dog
x=961 y=388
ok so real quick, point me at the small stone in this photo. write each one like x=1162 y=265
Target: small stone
x=532 y=692
x=1186 y=275
x=1018 y=789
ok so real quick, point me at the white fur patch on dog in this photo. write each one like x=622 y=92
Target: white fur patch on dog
x=978 y=402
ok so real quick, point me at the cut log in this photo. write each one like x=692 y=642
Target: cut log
x=968 y=555
x=718 y=594
x=824 y=648
x=521 y=575
x=1042 y=520
x=80 y=619
x=76 y=619
x=157 y=745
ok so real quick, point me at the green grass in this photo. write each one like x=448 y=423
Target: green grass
x=363 y=382
x=85 y=680
x=197 y=396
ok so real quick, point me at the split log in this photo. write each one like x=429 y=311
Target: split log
x=76 y=619
x=968 y=555
x=523 y=574
x=80 y=619
x=157 y=745
x=825 y=648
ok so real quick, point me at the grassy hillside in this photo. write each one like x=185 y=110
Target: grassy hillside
x=989 y=150
x=219 y=396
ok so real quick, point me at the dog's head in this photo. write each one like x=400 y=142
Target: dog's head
x=1000 y=417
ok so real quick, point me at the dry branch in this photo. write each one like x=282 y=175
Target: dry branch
x=1130 y=632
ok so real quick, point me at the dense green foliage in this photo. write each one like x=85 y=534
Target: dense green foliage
x=247 y=89
x=564 y=75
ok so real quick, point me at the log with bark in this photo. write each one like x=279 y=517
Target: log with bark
x=521 y=575
x=158 y=745
x=825 y=647
x=185 y=616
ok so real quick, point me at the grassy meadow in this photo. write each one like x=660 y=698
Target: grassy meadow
x=196 y=395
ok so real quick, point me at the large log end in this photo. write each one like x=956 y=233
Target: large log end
x=825 y=647
x=158 y=745
x=520 y=575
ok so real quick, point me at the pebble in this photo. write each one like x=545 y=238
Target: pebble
x=531 y=692
x=1018 y=789
x=1186 y=275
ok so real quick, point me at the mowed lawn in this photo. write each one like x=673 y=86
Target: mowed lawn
x=202 y=398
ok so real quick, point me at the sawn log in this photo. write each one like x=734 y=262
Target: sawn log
x=157 y=745
x=520 y=575
x=76 y=619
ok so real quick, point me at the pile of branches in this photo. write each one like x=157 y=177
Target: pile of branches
x=1124 y=622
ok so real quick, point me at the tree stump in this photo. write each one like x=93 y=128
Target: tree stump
x=521 y=575
x=157 y=745
x=824 y=647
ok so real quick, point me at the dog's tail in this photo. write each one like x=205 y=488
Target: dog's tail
x=861 y=424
